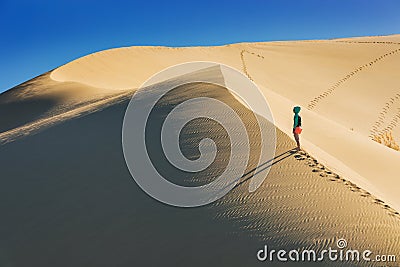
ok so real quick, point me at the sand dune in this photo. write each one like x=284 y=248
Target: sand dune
x=348 y=86
x=72 y=200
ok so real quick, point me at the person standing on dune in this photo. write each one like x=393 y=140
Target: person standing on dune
x=297 y=126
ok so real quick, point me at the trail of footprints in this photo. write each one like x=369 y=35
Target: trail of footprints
x=244 y=66
x=378 y=127
x=313 y=103
x=368 y=42
x=333 y=177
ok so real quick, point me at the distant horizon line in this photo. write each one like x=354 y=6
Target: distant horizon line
x=250 y=41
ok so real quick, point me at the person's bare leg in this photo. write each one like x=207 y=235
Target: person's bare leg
x=297 y=138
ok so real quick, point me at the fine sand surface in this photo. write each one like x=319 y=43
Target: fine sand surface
x=67 y=198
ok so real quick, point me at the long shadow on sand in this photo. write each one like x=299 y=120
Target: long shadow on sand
x=253 y=172
x=262 y=167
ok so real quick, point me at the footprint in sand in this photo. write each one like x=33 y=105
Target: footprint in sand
x=355 y=189
x=334 y=177
x=321 y=167
x=378 y=201
x=299 y=157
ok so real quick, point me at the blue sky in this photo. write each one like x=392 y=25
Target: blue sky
x=37 y=36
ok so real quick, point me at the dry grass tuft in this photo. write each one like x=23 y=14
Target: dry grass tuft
x=386 y=138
